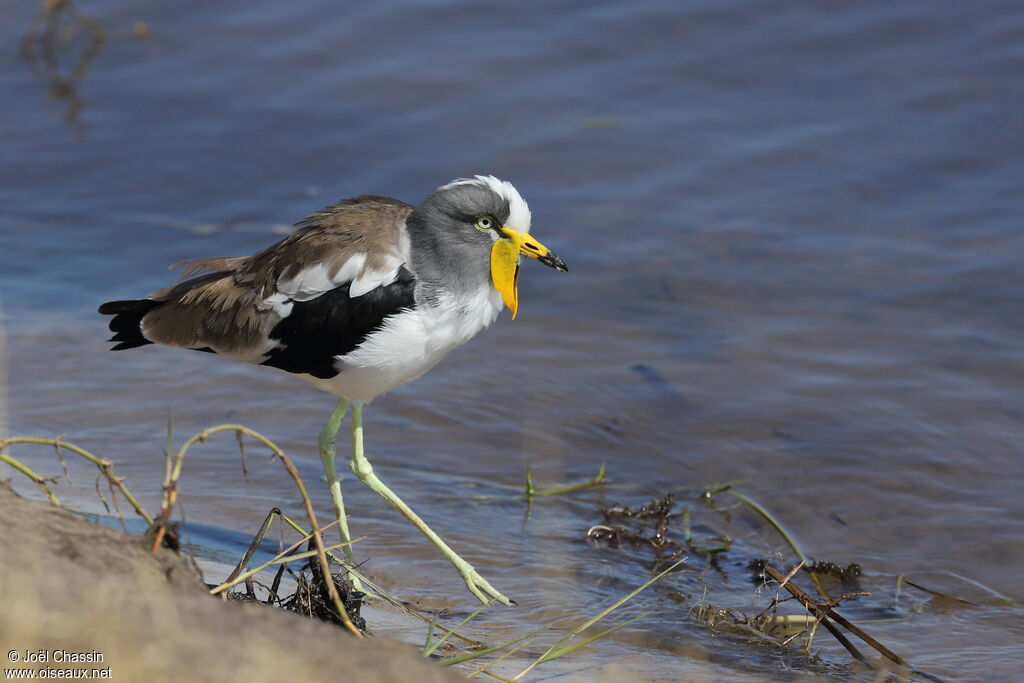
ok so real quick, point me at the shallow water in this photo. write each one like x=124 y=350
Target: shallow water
x=793 y=234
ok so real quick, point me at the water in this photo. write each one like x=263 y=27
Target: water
x=794 y=235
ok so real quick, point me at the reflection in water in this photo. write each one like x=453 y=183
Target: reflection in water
x=60 y=45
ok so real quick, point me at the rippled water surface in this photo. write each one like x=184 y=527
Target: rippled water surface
x=795 y=240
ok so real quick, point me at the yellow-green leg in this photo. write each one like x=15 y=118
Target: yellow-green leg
x=362 y=469
x=328 y=449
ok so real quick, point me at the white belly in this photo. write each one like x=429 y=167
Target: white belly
x=409 y=344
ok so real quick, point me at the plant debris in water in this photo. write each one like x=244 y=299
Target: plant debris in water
x=651 y=527
x=845 y=577
x=656 y=528
x=311 y=597
x=647 y=526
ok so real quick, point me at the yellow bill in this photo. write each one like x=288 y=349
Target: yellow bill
x=505 y=263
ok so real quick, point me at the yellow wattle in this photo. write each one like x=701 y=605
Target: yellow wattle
x=505 y=272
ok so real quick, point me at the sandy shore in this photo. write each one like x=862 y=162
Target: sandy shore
x=75 y=595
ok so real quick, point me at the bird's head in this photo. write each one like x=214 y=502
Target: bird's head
x=492 y=216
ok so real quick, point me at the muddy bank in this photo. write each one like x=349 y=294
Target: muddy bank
x=74 y=590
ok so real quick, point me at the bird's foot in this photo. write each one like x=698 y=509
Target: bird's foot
x=480 y=587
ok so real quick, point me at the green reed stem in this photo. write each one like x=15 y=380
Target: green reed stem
x=105 y=466
x=37 y=479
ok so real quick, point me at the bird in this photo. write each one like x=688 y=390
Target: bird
x=361 y=297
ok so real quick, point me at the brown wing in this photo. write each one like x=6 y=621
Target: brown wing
x=330 y=238
x=233 y=305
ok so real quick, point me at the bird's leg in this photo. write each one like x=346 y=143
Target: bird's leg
x=328 y=447
x=477 y=585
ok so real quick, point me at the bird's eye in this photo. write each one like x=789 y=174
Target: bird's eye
x=484 y=223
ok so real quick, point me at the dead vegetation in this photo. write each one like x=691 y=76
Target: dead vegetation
x=310 y=597
x=798 y=602
x=331 y=601
x=650 y=528
x=657 y=534
x=69 y=583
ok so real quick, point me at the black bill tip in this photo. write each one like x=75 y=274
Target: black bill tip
x=553 y=261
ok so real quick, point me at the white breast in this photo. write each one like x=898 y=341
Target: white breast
x=409 y=344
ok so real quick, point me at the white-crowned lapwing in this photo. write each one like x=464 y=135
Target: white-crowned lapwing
x=363 y=296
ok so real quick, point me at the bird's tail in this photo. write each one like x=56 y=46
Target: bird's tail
x=127 y=321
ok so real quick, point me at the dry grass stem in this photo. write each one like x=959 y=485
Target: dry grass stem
x=171 y=495
x=827 y=613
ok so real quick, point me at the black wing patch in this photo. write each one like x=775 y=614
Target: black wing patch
x=334 y=324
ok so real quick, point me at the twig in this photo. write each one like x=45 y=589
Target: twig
x=788 y=578
x=283 y=558
x=777 y=525
x=39 y=480
x=391 y=600
x=105 y=466
x=256 y=540
x=828 y=611
x=238 y=576
x=171 y=494
x=821 y=616
x=60 y=457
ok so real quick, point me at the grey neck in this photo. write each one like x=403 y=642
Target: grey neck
x=442 y=259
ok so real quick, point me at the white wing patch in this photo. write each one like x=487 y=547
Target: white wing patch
x=280 y=303
x=311 y=282
x=371 y=278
